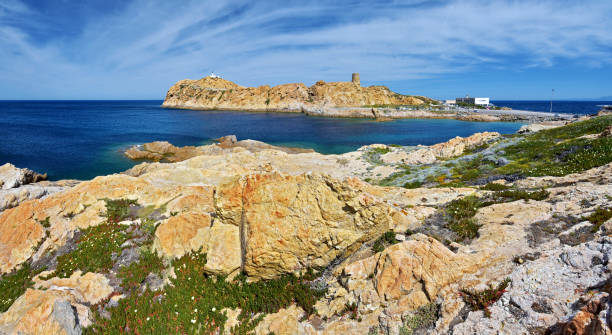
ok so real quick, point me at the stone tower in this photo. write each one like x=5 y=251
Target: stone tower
x=356 y=80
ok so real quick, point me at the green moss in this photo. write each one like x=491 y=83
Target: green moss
x=599 y=217
x=481 y=300
x=192 y=303
x=94 y=250
x=423 y=318
x=14 y=284
x=117 y=210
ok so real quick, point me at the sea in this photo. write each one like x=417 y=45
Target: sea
x=84 y=139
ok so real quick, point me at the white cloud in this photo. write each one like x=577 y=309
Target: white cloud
x=142 y=50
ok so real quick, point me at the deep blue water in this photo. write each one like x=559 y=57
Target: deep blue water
x=82 y=139
x=569 y=107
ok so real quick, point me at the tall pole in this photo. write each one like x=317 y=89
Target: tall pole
x=551 y=99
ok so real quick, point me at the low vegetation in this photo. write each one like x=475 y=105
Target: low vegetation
x=133 y=275
x=385 y=240
x=372 y=155
x=561 y=151
x=460 y=217
x=481 y=300
x=14 y=284
x=94 y=250
x=423 y=318
x=118 y=210
x=599 y=217
x=193 y=302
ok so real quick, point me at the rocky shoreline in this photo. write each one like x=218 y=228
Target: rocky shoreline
x=486 y=234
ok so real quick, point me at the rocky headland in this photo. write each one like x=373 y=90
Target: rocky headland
x=332 y=99
x=488 y=234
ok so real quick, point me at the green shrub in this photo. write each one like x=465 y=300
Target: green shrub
x=45 y=223
x=495 y=187
x=413 y=184
x=599 y=217
x=117 y=210
x=387 y=238
x=460 y=213
x=481 y=300
x=514 y=195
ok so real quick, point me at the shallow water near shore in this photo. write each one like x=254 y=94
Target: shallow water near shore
x=83 y=139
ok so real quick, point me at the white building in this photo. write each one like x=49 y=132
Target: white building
x=213 y=75
x=473 y=101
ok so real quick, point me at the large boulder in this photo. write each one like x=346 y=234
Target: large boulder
x=290 y=223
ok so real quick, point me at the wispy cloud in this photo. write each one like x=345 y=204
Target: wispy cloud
x=141 y=49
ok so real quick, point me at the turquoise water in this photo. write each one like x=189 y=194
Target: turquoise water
x=83 y=139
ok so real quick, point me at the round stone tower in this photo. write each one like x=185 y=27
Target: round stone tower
x=356 y=80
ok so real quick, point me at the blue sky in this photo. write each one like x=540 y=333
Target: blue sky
x=133 y=49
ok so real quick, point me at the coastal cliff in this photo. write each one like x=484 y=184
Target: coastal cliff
x=485 y=234
x=214 y=93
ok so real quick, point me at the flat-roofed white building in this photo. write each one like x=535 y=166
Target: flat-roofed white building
x=473 y=101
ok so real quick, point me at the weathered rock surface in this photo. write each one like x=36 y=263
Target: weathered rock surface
x=428 y=155
x=11 y=176
x=290 y=223
x=545 y=292
x=535 y=127
x=18 y=185
x=57 y=306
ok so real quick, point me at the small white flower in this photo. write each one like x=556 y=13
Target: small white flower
x=175 y=313
x=214 y=309
x=193 y=320
x=148 y=318
x=195 y=310
x=192 y=297
x=135 y=311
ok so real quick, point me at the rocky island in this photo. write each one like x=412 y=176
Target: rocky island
x=486 y=234
x=332 y=99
